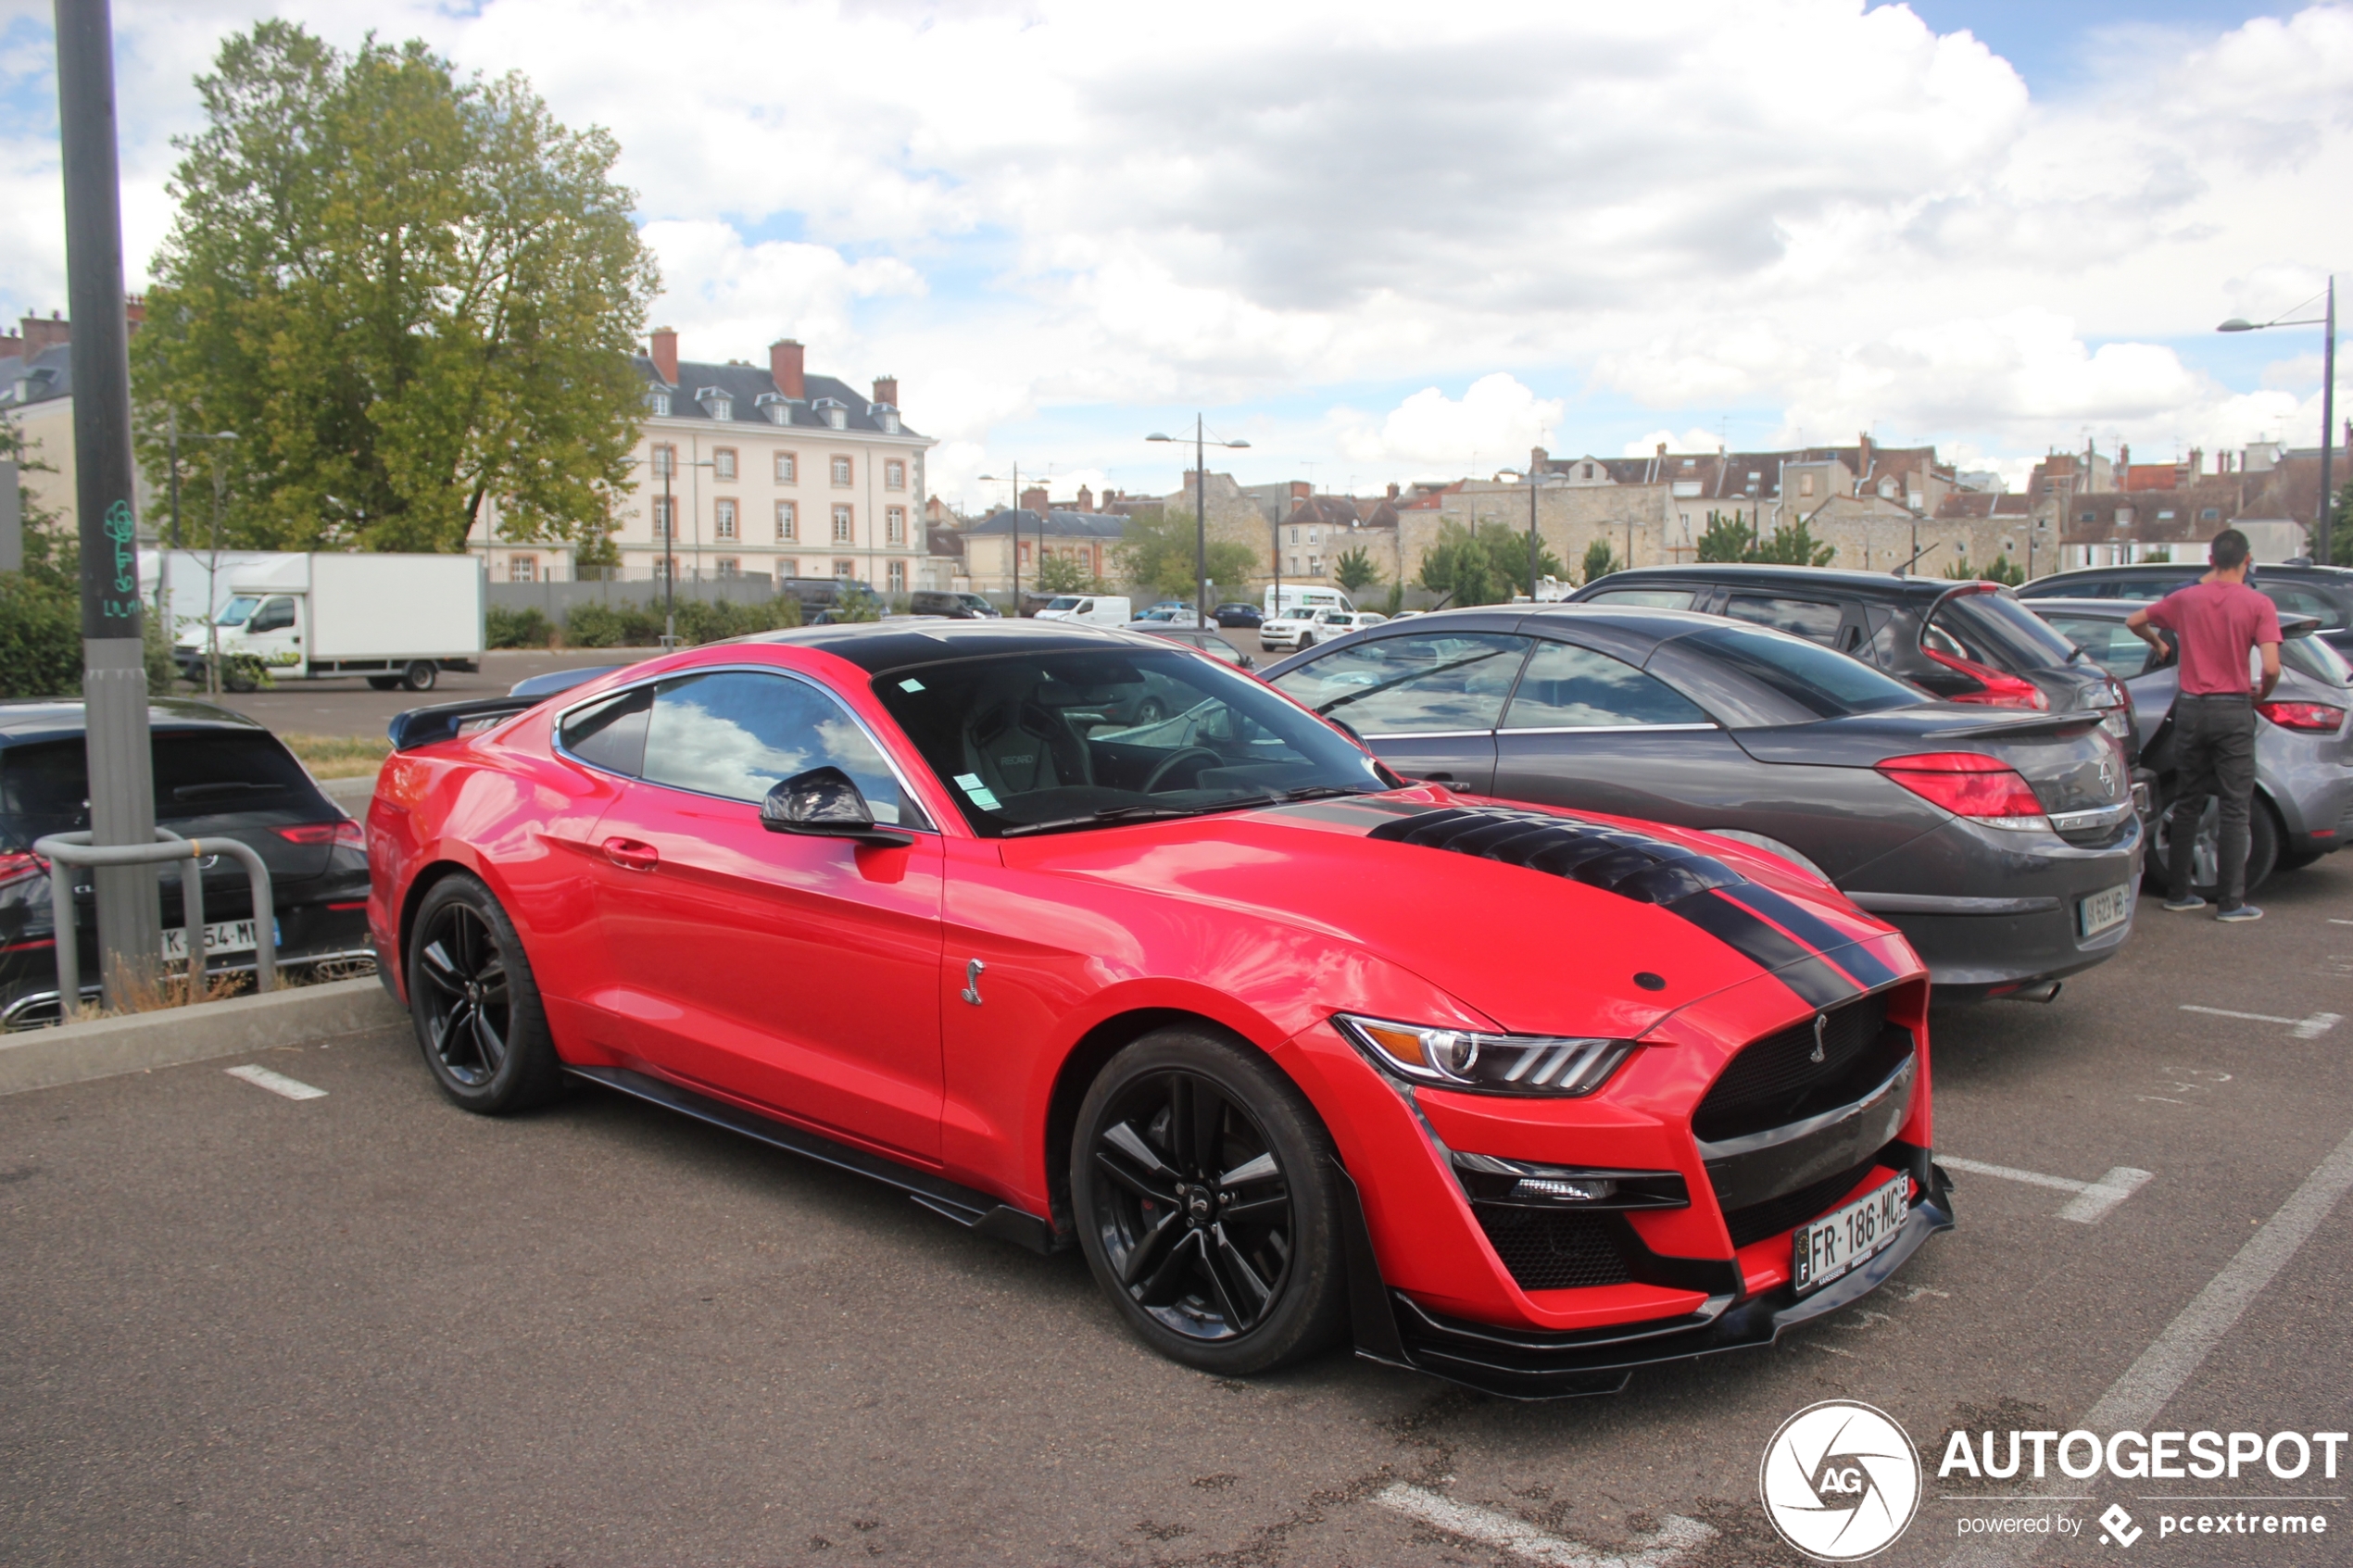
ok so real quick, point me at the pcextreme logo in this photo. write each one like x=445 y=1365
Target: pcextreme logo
x=1840 y=1481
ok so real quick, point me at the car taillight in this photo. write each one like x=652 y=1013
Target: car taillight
x=2318 y=717
x=345 y=833
x=1968 y=784
x=1999 y=690
x=17 y=864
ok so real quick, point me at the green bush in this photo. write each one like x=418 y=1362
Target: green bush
x=525 y=628
x=40 y=638
x=636 y=625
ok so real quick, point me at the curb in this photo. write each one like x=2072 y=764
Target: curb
x=43 y=1059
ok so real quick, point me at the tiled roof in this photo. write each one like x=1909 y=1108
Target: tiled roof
x=49 y=371
x=1060 y=525
x=744 y=385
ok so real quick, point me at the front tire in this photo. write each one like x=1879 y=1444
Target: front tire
x=474 y=1004
x=1203 y=1190
x=2263 y=848
x=421 y=675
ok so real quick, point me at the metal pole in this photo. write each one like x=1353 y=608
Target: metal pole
x=1200 y=521
x=114 y=682
x=1531 y=531
x=669 y=559
x=2322 y=550
x=1014 y=514
x=212 y=595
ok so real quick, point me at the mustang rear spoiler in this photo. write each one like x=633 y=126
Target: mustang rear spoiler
x=446 y=720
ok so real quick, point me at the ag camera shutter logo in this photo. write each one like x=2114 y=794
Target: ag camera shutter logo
x=1840 y=1481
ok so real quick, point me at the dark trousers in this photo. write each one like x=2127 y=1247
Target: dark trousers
x=2214 y=747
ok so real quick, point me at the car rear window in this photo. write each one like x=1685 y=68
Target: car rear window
x=2310 y=656
x=199 y=773
x=1995 y=629
x=1823 y=683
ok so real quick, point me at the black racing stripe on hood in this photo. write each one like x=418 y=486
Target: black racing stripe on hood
x=1770 y=931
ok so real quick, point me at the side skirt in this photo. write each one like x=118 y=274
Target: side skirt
x=974 y=1210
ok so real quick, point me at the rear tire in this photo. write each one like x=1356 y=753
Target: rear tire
x=421 y=675
x=384 y=683
x=1204 y=1189
x=2262 y=849
x=475 y=1005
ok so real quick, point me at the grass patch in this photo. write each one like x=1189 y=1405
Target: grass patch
x=340 y=756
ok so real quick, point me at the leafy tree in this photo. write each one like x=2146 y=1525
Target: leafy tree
x=1067 y=575
x=1354 y=569
x=1727 y=538
x=1156 y=552
x=407 y=292
x=1396 y=601
x=1960 y=571
x=2341 y=529
x=1793 y=544
x=1600 y=562
x=2005 y=570
x=1485 y=567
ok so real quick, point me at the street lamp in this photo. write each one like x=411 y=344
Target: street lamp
x=1012 y=514
x=1200 y=511
x=212 y=570
x=2327 y=321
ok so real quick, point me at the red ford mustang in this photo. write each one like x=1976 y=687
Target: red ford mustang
x=1077 y=936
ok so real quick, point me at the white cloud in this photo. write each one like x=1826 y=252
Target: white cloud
x=1692 y=440
x=1493 y=424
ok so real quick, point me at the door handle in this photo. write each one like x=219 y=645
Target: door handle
x=630 y=855
x=1438 y=778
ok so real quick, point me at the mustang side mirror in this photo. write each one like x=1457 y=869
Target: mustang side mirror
x=824 y=803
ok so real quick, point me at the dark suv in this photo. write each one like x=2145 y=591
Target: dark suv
x=955 y=606
x=218 y=774
x=2297 y=588
x=1962 y=641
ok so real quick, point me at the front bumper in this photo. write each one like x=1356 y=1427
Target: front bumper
x=1391 y=1328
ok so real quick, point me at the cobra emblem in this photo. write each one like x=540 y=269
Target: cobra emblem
x=974 y=970
x=1821 y=1048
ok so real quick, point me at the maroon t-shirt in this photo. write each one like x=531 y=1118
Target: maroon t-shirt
x=2219 y=624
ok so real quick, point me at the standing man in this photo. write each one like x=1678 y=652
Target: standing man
x=2218 y=620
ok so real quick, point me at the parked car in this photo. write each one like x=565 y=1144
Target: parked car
x=2324 y=592
x=955 y=606
x=1304 y=629
x=2002 y=843
x=1291 y=599
x=1967 y=642
x=1087 y=609
x=2303 y=748
x=1237 y=616
x=865 y=893
x=1169 y=615
x=218 y=774
x=1209 y=642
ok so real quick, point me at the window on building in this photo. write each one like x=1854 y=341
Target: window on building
x=2211 y=514
x=898 y=576
x=788 y=567
x=1025 y=552
x=842 y=525
x=723 y=462
x=1294 y=566
x=664 y=506
x=729 y=565
x=666 y=461
x=895 y=525
x=723 y=518
x=845 y=569
x=657 y=402
x=841 y=470
x=522 y=568
x=1589 y=471
x=2123 y=517
x=788 y=521
x=895 y=474
x=787 y=468
x=1805 y=485
x=669 y=567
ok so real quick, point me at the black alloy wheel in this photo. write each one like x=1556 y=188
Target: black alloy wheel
x=474 y=1004
x=1202 y=1184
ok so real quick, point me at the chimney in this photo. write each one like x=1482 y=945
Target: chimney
x=1863 y=449
x=2125 y=456
x=1662 y=448
x=1537 y=458
x=2197 y=463
x=1086 y=497
x=1392 y=491
x=887 y=391
x=40 y=335
x=1034 y=501
x=134 y=314
x=785 y=363
x=666 y=355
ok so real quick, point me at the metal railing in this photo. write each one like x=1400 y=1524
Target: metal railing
x=75 y=850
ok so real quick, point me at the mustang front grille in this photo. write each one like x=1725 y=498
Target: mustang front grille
x=1777 y=1079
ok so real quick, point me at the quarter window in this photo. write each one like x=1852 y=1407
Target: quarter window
x=1567 y=687
x=1434 y=683
x=737 y=734
x=1810 y=618
x=611 y=734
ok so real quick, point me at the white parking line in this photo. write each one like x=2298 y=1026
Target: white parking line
x=2310 y=1028
x=1662 y=1549
x=2091 y=1200
x=276 y=1082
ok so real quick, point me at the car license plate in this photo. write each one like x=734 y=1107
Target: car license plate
x=2098 y=911
x=1834 y=1244
x=220 y=937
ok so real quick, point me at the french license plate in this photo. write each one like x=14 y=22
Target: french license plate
x=2098 y=911
x=1834 y=1244
x=220 y=937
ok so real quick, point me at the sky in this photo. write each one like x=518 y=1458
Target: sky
x=1384 y=241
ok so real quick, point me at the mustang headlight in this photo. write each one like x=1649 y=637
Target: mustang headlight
x=1498 y=1064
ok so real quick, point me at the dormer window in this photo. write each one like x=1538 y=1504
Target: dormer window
x=716 y=403
x=657 y=402
x=776 y=406
x=884 y=415
x=833 y=412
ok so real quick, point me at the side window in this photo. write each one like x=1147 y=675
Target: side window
x=738 y=732
x=1813 y=620
x=275 y=615
x=611 y=735
x=2295 y=600
x=2109 y=645
x=1646 y=598
x=1568 y=687
x=1437 y=682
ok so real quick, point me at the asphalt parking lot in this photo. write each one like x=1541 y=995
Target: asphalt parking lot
x=367 y=1327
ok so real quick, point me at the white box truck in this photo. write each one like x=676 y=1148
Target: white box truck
x=396 y=620
x=1088 y=609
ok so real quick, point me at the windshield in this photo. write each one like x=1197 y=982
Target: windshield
x=1049 y=742
x=1065 y=602
x=239 y=609
x=1995 y=630
x=1828 y=684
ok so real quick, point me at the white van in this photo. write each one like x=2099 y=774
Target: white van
x=1295 y=601
x=1092 y=609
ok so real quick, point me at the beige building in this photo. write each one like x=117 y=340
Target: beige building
x=36 y=398
x=744 y=470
